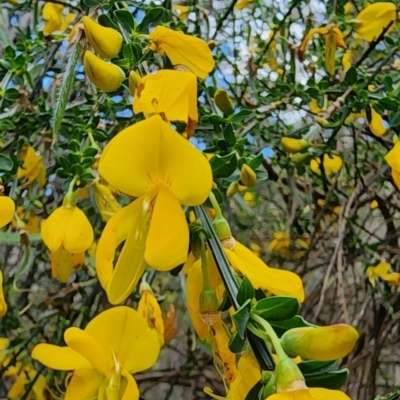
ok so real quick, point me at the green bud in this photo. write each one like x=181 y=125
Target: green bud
x=223 y=101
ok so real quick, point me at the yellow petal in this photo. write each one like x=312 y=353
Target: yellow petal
x=376 y=125
x=242 y=4
x=105 y=200
x=105 y=76
x=3 y=303
x=7 y=209
x=60 y=358
x=309 y=36
x=132 y=390
x=184 y=50
x=330 y=52
x=277 y=281
x=346 y=60
x=114 y=233
x=373 y=19
x=291 y=145
x=131 y=263
x=52 y=15
x=168 y=92
x=332 y=164
x=106 y=42
x=167 y=242
x=310 y=394
x=31 y=165
x=392 y=158
x=153 y=154
x=122 y=331
x=321 y=343
x=87 y=346
x=64 y=265
x=84 y=384
x=182 y=11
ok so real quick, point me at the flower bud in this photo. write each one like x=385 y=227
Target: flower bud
x=232 y=189
x=325 y=343
x=106 y=42
x=223 y=101
x=291 y=145
x=322 y=122
x=222 y=228
x=301 y=158
x=247 y=176
x=376 y=125
x=208 y=309
x=105 y=76
x=134 y=80
x=289 y=376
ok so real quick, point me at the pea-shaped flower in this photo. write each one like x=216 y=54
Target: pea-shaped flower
x=7 y=209
x=181 y=49
x=104 y=75
x=163 y=170
x=106 y=42
x=115 y=344
x=68 y=234
x=332 y=165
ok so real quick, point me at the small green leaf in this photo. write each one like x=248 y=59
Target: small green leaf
x=6 y=164
x=241 y=115
x=388 y=104
x=256 y=161
x=229 y=135
x=152 y=18
x=278 y=308
x=315 y=367
x=281 y=327
x=12 y=94
x=105 y=20
x=330 y=380
x=241 y=318
x=394 y=119
x=388 y=82
x=351 y=75
x=125 y=18
x=246 y=291
x=223 y=166
x=225 y=304
x=236 y=343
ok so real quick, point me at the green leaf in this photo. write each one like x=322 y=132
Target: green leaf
x=236 y=343
x=330 y=380
x=241 y=318
x=394 y=119
x=12 y=94
x=278 y=308
x=105 y=20
x=281 y=327
x=63 y=93
x=125 y=18
x=241 y=115
x=389 y=104
x=255 y=391
x=256 y=161
x=388 y=82
x=229 y=135
x=351 y=75
x=225 y=304
x=6 y=164
x=152 y=18
x=223 y=166
x=246 y=291
x=315 y=367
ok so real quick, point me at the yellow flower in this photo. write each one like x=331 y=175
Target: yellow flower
x=7 y=209
x=181 y=11
x=320 y=343
x=242 y=4
x=333 y=37
x=276 y=281
x=393 y=279
x=54 y=20
x=250 y=199
x=314 y=108
x=373 y=19
x=393 y=157
x=310 y=394
x=68 y=234
x=32 y=167
x=25 y=376
x=373 y=273
x=376 y=124
x=346 y=60
x=134 y=81
x=30 y=219
x=106 y=42
x=154 y=163
x=223 y=102
x=105 y=200
x=280 y=241
x=291 y=145
x=105 y=76
x=3 y=303
x=332 y=165
x=115 y=344
x=182 y=49
x=172 y=94
x=150 y=310
x=247 y=176
x=373 y=205
x=354 y=116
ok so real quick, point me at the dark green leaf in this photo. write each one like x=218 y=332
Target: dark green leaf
x=152 y=18
x=351 y=75
x=278 y=308
x=236 y=343
x=388 y=104
x=256 y=161
x=90 y=152
x=246 y=291
x=215 y=119
x=105 y=20
x=388 y=82
x=281 y=327
x=255 y=391
x=223 y=166
x=125 y=18
x=394 y=119
x=229 y=135
x=226 y=303
x=330 y=380
x=241 y=115
x=241 y=318
x=12 y=94
x=6 y=164
x=315 y=367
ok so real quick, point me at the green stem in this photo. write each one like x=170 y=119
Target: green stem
x=204 y=265
x=272 y=335
x=216 y=207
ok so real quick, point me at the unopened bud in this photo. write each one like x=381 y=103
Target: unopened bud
x=134 y=81
x=322 y=122
x=289 y=376
x=209 y=307
x=301 y=158
x=247 y=176
x=232 y=189
x=291 y=145
x=222 y=228
x=223 y=101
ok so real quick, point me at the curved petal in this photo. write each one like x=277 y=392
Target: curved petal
x=7 y=209
x=84 y=384
x=132 y=390
x=87 y=346
x=131 y=264
x=153 y=155
x=277 y=281
x=78 y=234
x=114 y=233
x=60 y=358
x=52 y=229
x=122 y=331
x=167 y=242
